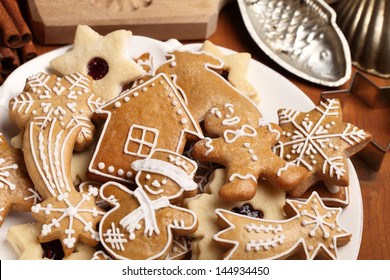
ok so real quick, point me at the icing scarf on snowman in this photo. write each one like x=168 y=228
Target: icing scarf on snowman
x=147 y=209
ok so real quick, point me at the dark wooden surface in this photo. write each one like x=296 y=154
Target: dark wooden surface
x=375 y=185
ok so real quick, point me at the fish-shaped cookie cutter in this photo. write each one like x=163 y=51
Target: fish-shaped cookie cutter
x=372 y=97
x=301 y=36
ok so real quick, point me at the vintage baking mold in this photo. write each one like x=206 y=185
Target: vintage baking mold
x=372 y=101
x=366 y=25
x=301 y=36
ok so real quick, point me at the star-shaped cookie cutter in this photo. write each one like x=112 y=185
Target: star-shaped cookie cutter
x=371 y=98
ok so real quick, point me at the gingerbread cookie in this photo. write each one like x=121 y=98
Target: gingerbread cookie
x=204 y=89
x=105 y=58
x=311 y=230
x=247 y=155
x=140 y=120
x=17 y=192
x=143 y=222
x=236 y=65
x=24 y=239
x=71 y=217
x=319 y=141
x=331 y=195
x=268 y=204
x=55 y=113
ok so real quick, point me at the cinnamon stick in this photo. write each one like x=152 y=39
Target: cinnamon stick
x=8 y=31
x=1 y=76
x=28 y=52
x=15 y=14
x=9 y=59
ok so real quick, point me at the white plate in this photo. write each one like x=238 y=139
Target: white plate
x=276 y=93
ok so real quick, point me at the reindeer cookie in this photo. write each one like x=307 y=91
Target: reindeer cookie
x=142 y=223
x=311 y=230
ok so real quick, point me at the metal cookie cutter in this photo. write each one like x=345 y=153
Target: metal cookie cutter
x=373 y=114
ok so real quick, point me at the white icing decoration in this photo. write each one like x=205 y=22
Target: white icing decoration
x=101 y=165
x=216 y=112
x=115 y=238
x=265 y=244
x=146 y=212
x=71 y=212
x=184 y=121
x=173 y=172
x=231 y=136
x=208 y=145
x=242 y=177
x=311 y=139
x=4 y=174
x=141 y=142
x=111 y=169
x=117 y=104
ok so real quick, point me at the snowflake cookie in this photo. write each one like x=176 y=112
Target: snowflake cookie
x=319 y=141
x=71 y=217
x=55 y=113
x=105 y=58
x=17 y=192
x=311 y=230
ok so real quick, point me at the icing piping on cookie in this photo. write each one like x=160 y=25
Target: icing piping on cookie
x=161 y=167
x=4 y=174
x=309 y=139
x=208 y=145
x=251 y=238
x=242 y=177
x=231 y=136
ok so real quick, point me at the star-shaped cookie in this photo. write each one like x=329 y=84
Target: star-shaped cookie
x=237 y=66
x=247 y=155
x=17 y=192
x=105 y=58
x=319 y=141
x=311 y=230
x=70 y=217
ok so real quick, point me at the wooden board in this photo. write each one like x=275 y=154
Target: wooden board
x=55 y=21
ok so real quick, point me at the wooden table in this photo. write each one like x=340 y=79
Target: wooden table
x=375 y=186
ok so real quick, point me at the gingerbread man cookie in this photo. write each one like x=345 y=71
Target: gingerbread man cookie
x=311 y=230
x=143 y=222
x=268 y=204
x=247 y=155
x=105 y=58
x=319 y=141
x=17 y=192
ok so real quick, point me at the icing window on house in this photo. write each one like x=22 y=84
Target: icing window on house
x=141 y=140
